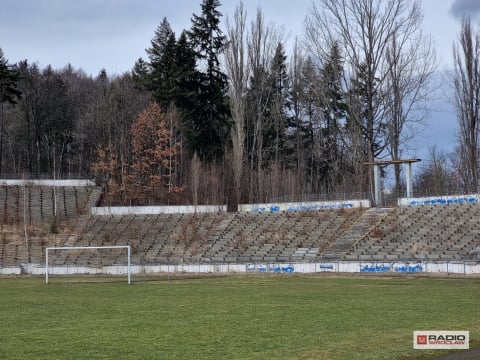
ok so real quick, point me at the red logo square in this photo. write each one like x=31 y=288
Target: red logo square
x=421 y=339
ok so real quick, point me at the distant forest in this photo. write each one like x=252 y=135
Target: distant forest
x=219 y=114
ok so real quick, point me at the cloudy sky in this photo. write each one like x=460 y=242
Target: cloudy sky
x=112 y=34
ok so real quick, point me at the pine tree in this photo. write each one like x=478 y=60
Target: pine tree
x=140 y=73
x=8 y=93
x=162 y=77
x=359 y=121
x=335 y=106
x=8 y=81
x=159 y=42
x=187 y=80
x=276 y=110
x=334 y=109
x=209 y=128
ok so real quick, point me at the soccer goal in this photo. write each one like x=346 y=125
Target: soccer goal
x=68 y=260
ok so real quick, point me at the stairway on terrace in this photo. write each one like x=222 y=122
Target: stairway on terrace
x=359 y=229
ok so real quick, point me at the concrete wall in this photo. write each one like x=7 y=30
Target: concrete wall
x=21 y=182
x=272 y=207
x=465 y=268
x=440 y=200
x=304 y=206
x=152 y=210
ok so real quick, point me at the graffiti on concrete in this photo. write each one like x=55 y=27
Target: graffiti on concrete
x=399 y=268
x=302 y=207
x=444 y=200
x=271 y=268
x=375 y=268
x=325 y=267
x=408 y=268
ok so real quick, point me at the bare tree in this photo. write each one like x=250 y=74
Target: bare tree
x=238 y=72
x=365 y=30
x=410 y=64
x=295 y=74
x=262 y=42
x=466 y=80
x=435 y=176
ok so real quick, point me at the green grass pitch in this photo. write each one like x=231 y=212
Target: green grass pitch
x=233 y=317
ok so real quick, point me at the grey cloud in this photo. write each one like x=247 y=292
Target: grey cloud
x=462 y=8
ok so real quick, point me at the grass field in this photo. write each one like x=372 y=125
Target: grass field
x=234 y=317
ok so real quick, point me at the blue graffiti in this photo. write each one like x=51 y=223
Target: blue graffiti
x=415 y=268
x=262 y=268
x=274 y=268
x=409 y=268
x=250 y=267
x=288 y=268
x=376 y=268
x=303 y=207
x=319 y=207
x=442 y=201
x=326 y=267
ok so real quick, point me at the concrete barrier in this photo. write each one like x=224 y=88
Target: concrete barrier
x=457 y=267
x=12 y=270
x=440 y=200
x=304 y=206
x=58 y=183
x=153 y=210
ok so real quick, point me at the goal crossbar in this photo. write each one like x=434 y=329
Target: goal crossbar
x=87 y=248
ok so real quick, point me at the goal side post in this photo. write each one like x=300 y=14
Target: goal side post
x=89 y=248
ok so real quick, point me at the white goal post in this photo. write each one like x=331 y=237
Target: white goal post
x=87 y=248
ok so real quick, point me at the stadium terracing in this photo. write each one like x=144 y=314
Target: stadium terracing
x=420 y=232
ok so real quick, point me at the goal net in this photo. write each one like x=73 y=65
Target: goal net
x=106 y=261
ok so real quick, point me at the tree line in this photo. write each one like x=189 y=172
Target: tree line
x=221 y=114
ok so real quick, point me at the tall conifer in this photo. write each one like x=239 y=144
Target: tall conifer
x=211 y=121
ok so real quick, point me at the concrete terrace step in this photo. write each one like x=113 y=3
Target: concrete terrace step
x=356 y=232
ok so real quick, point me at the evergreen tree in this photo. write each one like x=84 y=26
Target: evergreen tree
x=276 y=121
x=159 y=73
x=187 y=80
x=8 y=81
x=209 y=128
x=159 y=42
x=335 y=106
x=162 y=77
x=8 y=93
x=310 y=90
x=334 y=109
x=372 y=134
x=140 y=73
x=258 y=103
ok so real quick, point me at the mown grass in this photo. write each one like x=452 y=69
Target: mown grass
x=235 y=317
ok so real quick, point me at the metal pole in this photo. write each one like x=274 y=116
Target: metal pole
x=376 y=185
x=46 y=267
x=409 y=180
x=128 y=269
